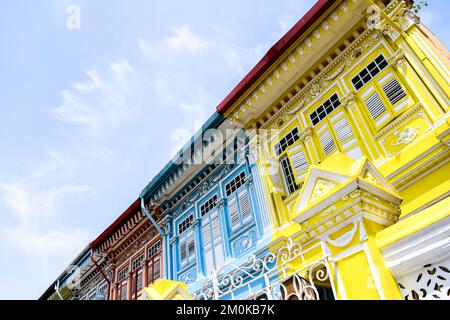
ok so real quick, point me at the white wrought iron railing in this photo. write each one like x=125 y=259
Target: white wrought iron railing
x=283 y=273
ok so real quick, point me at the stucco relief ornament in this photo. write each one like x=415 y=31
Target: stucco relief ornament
x=221 y=203
x=406 y=136
x=337 y=73
x=375 y=38
x=249 y=180
x=321 y=189
x=298 y=107
x=398 y=60
x=196 y=223
x=349 y=101
x=355 y=194
x=306 y=135
x=370 y=178
x=173 y=241
x=315 y=90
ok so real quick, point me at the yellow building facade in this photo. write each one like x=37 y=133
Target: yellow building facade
x=352 y=136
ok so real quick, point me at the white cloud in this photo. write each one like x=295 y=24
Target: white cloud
x=34 y=202
x=105 y=100
x=46 y=245
x=181 y=40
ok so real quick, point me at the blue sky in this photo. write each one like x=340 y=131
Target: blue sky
x=89 y=116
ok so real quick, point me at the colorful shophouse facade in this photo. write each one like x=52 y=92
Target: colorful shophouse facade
x=337 y=190
x=117 y=265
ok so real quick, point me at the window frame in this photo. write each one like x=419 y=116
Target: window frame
x=376 y=85
x=285 y=153
x=235 y=197
x=186 y=233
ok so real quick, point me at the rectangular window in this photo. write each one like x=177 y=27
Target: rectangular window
x=123 y=291
x=281 y=151
x=153 y=263
x=384 y=96
x=122 y=274
x=154 y=249
x=235 y=184
x=325 y=109
x=186 y=240
x=185 y=224
x=208 y=205
x=212 y=241
x=291 y=138
x=289 y=178
x=238 y=202
x=137 y=263
x=369 y=72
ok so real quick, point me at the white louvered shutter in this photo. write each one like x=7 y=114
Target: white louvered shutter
x=273 y=175
x=217 y=238
x=244 y=203
x=182 y=245
x=207 y=244
x=299 y=162
x=233 y=212
x=343 y=130
x=394 y=91
x=327 y=142
x=375 y=105
x=191 y=245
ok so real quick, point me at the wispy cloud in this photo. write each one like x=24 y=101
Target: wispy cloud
x=108 y=97
x=34 y=201
x=182 y=40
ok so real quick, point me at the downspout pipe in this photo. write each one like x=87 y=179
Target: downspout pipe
x=158 y=228
x=57 y=290
x=91 y=255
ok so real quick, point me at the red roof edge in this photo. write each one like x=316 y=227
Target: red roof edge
x=274 y=53
x=136 y=206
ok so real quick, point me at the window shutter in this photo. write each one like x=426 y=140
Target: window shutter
x=156 y=268
x=215 y=225
x=272 y=169
x=299 y=162
x=182 y=249
x=394 y=91
x=191 y=245
x=327 y=142
x=234 y=213
x=206 y=231
x=343 y=130
x=375 y=105
x=244 y=203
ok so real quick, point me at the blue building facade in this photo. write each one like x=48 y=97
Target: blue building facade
x=213 y=212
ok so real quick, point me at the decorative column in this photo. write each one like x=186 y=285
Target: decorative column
x=221 y=207
x=129 y=285
x=306 y=136
x=262 y=196
x=166 y=226
x=173 y=244
x=198 y=253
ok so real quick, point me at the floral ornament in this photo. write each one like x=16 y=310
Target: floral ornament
x=406 y=136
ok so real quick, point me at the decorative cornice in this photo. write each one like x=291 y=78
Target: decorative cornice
x=366 y=39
